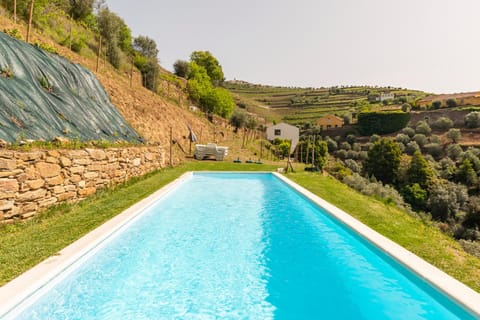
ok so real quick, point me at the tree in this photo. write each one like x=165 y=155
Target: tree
x=466 y=174
x=446 y=199
x=238 y=120
x=436 y=104
x=472 y=120
x=383 y=160
x=451 y=103
x=146 y=46
x=419 y=171
x=211 y=65
x=423 y=128
x=415 y=195
x=321 y=154
x=455 y=135
x=29 y=26
x=110 y=26
x=80 y=9
x=181 y=68
x=406 y=107
x=443 y=123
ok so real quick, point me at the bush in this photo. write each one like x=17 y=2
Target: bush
x=454 y=134
x=377 y=189
x=454 y=151
x=446 y=199
x=416 y=196
x=434 y=139
x=374 y=138
x=423 y=128
x=446 y=168
x=434 y=149
x=353 y=165
x=351 y=138
x=409 y=132
x=436 y=104
x=451 y=103
x=420 y=139
x=406 y=107
x=402 y=138
x=331 y=144
x=472 y=120
x=382 y=122
x=411 y=147
x=345 y=146
x=342 y=154
x=443 y=123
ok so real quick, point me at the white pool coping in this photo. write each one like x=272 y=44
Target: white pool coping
x=21 y=288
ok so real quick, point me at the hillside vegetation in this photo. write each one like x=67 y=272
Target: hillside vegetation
x=151 y=114
x=305 y=105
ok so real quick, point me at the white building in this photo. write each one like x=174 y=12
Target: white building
x=284 y=131
x=386 y=96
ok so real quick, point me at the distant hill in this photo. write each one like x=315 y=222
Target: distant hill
x=305 y=105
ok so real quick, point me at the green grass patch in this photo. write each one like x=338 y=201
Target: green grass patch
x=26 y=244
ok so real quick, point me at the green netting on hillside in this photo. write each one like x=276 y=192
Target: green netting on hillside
x=43 y=96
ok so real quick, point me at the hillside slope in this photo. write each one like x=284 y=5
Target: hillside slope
x=44 y=96
x=149 y=114
x=305 y=105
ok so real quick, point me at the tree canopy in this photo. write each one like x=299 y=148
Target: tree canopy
x=211 y=65
x=383 y=160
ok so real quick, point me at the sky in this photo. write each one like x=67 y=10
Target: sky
x=429 y=45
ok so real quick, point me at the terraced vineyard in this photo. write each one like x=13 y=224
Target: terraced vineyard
x=306 y=105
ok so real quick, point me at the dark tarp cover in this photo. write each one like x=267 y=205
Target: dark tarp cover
x=76 y=106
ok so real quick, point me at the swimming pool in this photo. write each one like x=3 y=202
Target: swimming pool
x=235 y=246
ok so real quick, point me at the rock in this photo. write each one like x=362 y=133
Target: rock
x=77 y=169
x=55 y=181
x=7 y=165
x=90 y=175
x=31 y=195
x=61 y=139
x=136 y=162
x=66 y=196
x=6 y=205
x=29 y=156
x=87 y=192
x=8 y=188
x=48 y=170
x=65 y=162
x=35 y=184
x=97 y=154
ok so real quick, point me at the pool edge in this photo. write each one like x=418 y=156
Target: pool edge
x=16 y=291
x=459 y=292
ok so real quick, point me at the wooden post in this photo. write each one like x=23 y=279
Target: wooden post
x=261 y=149
x=15 y=11
x=171 y=138
x=131 y=74
x=313 y=151
x=99 y=51
x=306 y=151
x=301 y=153
x=30 y=17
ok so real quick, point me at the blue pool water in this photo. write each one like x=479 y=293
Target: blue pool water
x=239 y=246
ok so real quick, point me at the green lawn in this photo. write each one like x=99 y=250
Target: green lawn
x=25 y=244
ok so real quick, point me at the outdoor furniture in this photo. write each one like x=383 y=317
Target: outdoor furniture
x=209 y=151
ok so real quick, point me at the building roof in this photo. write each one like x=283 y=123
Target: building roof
x=441 y=97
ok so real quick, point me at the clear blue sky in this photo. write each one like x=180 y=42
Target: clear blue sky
x=431 y=45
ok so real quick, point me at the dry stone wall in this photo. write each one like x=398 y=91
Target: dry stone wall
x=35 y=180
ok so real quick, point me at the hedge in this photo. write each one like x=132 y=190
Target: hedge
x=382 y=122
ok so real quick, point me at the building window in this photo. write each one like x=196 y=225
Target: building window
x=328 y=126
x=278 y=132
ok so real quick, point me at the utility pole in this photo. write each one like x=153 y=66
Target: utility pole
x=27 y=38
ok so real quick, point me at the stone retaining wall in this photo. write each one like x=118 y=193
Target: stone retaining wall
x=35 y=180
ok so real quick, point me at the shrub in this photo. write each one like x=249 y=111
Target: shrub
x=402 y=138
x=446 y=168
x=374 y=138
x=434 y=139
x=406 y=107
x=451 y=103
x=454 y=134
x=472 y=120
x=423 y=128
x=377 y=189
x=382 y=122
x=351 y=138
x=436 y=104
x=345 y=146
x=446 y=199
x=415 y=195
x=357 y=147
x=454 y=151
x=420 y=139
x=409 y=131
x=331 y=144
x=383 y=160
x=443 y=123
x=466 y=174
x=411 y=147
x=342 y=154
x=434 y=149
x=353 y=165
